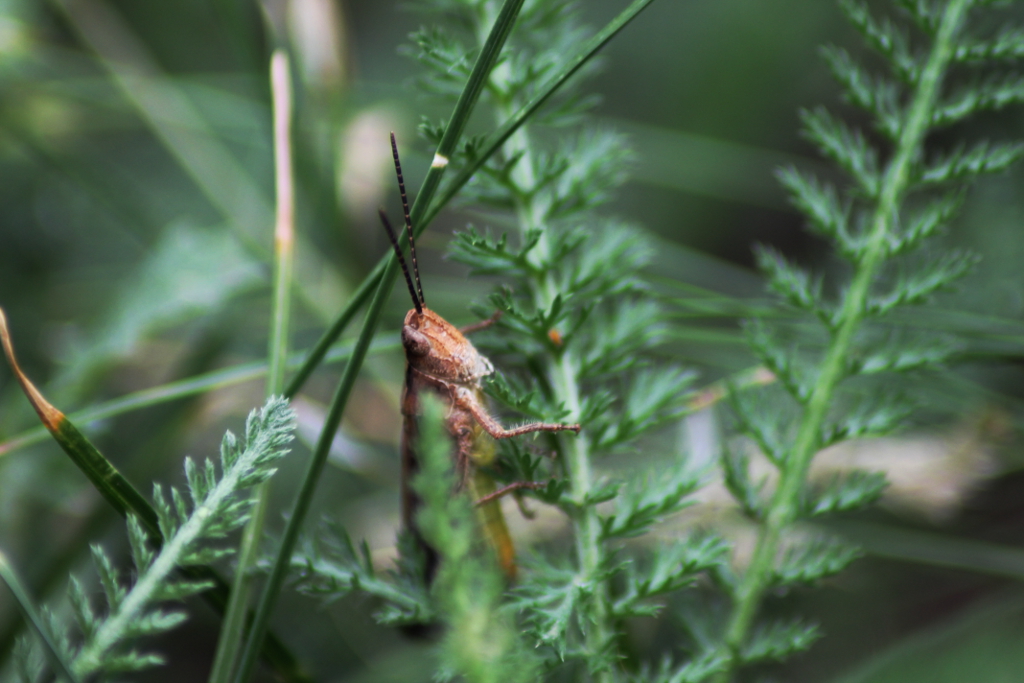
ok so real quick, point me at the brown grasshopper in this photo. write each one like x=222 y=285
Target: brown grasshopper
x=440 y=359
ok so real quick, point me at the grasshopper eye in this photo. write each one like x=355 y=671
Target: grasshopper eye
x=416 y=343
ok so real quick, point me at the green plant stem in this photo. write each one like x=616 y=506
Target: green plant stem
x=449 y=141
x=28 y=607
x=589 y=550
x=561 y=369
x=784 y=505
x=233 y=627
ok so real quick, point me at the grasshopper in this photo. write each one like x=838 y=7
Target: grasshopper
x=439 y=358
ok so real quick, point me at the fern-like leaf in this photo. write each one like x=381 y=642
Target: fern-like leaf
x=885 y=37
x=844 y=145
x=648 y=501
x=811 y=560
x=216 y=510
x=917 y=286
x=876 y=94
x=331 y=566
x=848 y=491
x=778 y=640
x=962 y=163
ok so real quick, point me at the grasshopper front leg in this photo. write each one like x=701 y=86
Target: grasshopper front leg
x=482 y=325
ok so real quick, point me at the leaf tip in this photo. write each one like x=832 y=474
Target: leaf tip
x=51 y=417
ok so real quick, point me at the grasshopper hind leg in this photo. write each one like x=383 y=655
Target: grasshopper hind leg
x=466 y=400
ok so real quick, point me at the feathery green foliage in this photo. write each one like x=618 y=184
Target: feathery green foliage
x=831 y=384
x=329 y=565
x=216 y=503
x=576 y=313
x=583 y=337
x=577 y=316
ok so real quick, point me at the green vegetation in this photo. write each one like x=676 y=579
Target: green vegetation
x=189 y=186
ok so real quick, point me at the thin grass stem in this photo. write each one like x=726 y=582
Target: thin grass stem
x=232 y=631
x=190 y=386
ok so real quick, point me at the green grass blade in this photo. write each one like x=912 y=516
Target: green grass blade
x=190 y=386
x=463 y=109
x=933 y=549
x=500 y=136
x=14 y=583
x=304 y=497
x=111 y=484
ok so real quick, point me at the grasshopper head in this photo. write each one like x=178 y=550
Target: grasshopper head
x=435 y=347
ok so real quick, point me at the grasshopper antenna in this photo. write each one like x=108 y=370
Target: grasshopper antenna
x=408 y=220
x=401 y=259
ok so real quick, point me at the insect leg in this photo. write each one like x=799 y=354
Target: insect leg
x=526 y=512
x=482 y=325
x=465 y=399
x=460 y=426
x=511 y=488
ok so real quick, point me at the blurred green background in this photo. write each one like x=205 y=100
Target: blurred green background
x=135 y=224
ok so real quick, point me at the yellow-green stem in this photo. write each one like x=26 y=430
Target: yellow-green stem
x=233 y=629
x=783 y=508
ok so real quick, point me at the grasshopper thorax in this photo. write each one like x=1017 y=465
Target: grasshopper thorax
x=435 y=347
